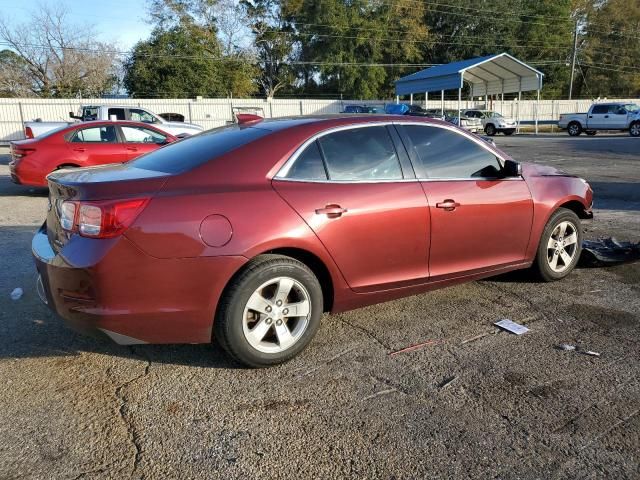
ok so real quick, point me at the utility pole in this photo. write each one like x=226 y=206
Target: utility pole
x=573 y=60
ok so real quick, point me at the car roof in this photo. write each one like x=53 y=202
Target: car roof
x=99 y=123
x=322 y=122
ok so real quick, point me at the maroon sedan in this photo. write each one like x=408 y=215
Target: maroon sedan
x=248 y=233
x=84 y=144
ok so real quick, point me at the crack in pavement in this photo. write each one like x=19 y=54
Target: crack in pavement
x=134 y=437
x=365 y=331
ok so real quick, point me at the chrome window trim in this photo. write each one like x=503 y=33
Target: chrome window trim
x=284 y=170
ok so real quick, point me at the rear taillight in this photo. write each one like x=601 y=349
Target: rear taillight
x=104 y=219
x=18 y=152
x=28 y=132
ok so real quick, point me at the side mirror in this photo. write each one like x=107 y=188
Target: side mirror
x=512 y=168
x=74 y=116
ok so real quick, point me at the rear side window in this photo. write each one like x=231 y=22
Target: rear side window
x=106 y=134
x=308 y=165
x=442 y=153
x=599 y=109
x=193 y=151
x=365 y=153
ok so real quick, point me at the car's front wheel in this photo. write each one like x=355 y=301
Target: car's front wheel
x=270 y=311
x=509 y=131
x=560 y=246
x=634 y=129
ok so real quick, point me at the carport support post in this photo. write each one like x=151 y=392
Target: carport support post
x=426 y=100
x=460 y=99
x=411 y=99
x=397 y=99
x=537 y=107
x=519 y=99
x=442 y=102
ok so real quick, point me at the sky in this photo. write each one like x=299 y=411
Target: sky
x=122 y=22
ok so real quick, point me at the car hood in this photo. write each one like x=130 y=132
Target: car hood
x=190 y=126
x=536 y=170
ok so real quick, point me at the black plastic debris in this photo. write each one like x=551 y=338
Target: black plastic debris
x=608 y=251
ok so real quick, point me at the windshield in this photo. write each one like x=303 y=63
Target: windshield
x=494 y=115
x=632 y=107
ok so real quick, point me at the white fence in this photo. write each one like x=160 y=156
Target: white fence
x=214 y=112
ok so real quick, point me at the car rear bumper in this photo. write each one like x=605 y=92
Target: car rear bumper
x=21 y=174
x=111 y=288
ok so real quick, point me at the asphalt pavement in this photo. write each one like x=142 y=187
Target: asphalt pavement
x=473 y=402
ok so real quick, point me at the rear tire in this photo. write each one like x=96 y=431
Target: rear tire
x=634 y=129
x=560 y=246
x=574 y=129
x=490 y=130
x=255 y=324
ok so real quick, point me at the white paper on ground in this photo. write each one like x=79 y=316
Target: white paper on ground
x=513 y=327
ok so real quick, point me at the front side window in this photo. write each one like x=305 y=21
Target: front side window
x=139 y=115
x=365 y=153
x=106 y=134
x=442 y=154
x=142 y=135
x=617 y=110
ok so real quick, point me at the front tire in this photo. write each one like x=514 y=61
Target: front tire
x=560 y=246
x=508 y=132
x=269 y=312
x=574 y=129
x=634 y=129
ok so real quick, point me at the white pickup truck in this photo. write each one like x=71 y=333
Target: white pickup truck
x=603 y=116
x=117 y=112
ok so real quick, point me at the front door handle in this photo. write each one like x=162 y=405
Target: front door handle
x=79 y=149
x=331 y=211
x=449 y=205
x=133 y=149
x=606 y=116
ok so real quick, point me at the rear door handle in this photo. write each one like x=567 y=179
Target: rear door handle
x=133 y=149
x=331 y=211
x=449 y=205
x=79 y=149
x=606 y=116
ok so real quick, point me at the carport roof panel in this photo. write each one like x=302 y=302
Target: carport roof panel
x=477 y=71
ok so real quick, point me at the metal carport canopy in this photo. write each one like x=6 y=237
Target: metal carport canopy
x=488 y=75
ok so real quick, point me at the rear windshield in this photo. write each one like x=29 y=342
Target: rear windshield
x=193 y=151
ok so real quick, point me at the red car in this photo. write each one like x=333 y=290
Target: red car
x=84 y=144
x=248 y=233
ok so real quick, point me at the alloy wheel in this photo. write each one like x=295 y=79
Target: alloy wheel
x=276 y=315
x=562 y=246
x=634 y=130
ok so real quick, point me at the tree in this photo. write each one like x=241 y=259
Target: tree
x=609 y=51
x=337 y=36
x=54 y=58
x=13 y=81
x=184 y=56
x=273 y=43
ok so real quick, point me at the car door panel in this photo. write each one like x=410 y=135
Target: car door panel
x=479 y=220
x=88 y=150
x=380 y=241
x=490 y=226
x=364 y=204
